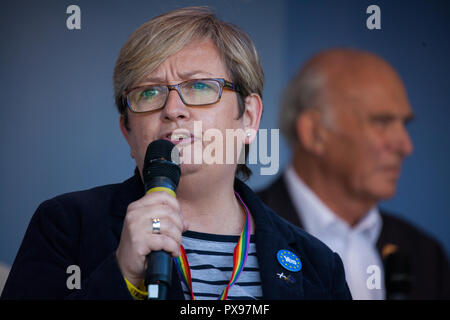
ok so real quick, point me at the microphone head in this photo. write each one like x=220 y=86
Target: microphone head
x=161 y=160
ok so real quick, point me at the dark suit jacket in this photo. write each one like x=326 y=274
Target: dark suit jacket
x=83 y=228
x=429 y=263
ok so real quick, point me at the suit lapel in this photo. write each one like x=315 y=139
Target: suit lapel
x=277 y=197
x=269 y=240
x=274 y=277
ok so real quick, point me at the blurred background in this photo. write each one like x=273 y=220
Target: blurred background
x=60 y=129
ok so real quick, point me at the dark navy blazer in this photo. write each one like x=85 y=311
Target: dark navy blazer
x=83 y=228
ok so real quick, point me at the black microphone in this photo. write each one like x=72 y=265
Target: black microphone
x=160 y=173
x=397 y=276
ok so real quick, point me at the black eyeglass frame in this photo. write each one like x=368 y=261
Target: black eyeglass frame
x=222 y=84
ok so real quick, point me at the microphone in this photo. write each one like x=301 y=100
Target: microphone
x=160 y=173
x=397 y=270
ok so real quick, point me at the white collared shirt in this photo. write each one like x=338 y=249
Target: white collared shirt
x=356 y=246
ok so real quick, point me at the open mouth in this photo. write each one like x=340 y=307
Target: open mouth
x=179 y=137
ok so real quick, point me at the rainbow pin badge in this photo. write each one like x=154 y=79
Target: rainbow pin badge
x=289 y=260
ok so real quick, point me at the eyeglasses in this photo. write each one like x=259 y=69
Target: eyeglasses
x=196 y=92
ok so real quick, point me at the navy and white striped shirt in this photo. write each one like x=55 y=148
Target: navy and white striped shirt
x=210 y=258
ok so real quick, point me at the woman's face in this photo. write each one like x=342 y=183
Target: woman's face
x=197 y=130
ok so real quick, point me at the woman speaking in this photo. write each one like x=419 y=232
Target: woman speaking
x=179 y=71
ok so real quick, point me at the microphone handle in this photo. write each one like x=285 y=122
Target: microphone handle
x=158 y=276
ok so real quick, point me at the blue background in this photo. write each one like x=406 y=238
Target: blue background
x=60 y=129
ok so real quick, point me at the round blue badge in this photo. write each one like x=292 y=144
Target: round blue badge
x=289 y=260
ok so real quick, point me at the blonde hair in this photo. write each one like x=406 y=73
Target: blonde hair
x=165 y=35
x=157 y=39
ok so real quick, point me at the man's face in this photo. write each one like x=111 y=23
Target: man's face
x=198 y=60
x=369 y=141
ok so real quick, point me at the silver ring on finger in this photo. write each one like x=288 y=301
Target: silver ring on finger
x=156 y=226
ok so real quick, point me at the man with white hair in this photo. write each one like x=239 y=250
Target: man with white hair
x=345 y=115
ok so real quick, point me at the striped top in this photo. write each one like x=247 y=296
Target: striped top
x=210 y=257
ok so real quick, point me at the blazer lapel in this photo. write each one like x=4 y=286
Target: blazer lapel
x=277 y=282
x=277 y=197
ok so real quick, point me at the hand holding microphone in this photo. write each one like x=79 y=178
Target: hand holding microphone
x=139 y=239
